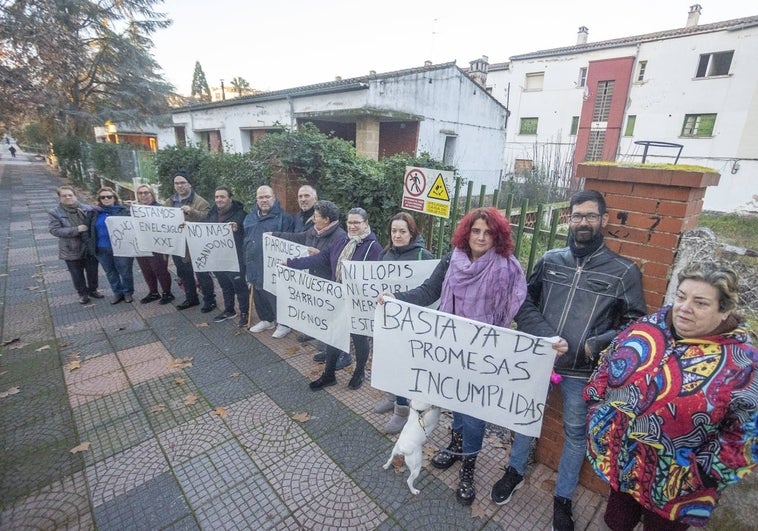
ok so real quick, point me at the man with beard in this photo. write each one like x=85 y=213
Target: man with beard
x=585 y=294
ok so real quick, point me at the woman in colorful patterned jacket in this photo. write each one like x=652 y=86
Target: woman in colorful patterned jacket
x=674 y=406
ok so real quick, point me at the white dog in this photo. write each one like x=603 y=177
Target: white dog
x=422 y=420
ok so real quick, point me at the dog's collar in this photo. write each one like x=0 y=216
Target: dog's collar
x=420 y=414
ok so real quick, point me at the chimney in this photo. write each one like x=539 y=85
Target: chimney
x=427 y=63
x=479 y=70
x=581 y=37
x=694 y=15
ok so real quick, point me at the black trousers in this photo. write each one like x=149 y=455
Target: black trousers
x=84 y=274
x=187 y=275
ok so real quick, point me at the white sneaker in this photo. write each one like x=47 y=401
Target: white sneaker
x=261 y=326
x=281 y=331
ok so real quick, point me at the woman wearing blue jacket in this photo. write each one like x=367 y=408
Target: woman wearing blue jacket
x=118 y=269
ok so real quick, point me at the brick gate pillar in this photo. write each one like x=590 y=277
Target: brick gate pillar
x=649 y=209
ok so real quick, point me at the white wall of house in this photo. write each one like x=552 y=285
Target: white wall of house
x=444 y=100
x=668 y=92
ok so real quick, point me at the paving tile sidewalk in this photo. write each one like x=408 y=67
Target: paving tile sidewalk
x=160 y=456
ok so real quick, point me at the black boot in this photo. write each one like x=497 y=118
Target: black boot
x=327 y=378
x=466 y=493
x=445 y=458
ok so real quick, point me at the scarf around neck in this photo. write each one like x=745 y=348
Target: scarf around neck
x=489 y=290
x=75 y=214
x=322 y=231
x=588 y=249
x=349 y=250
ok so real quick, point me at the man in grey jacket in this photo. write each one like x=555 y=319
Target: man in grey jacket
x=585 y=294
x=69 y=222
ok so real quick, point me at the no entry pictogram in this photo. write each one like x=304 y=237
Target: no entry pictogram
x=415 y=182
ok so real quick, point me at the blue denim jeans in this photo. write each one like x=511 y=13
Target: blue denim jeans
x=473 y=432
x=575 y=439
x=118 y=270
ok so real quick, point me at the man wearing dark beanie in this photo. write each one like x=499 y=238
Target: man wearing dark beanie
x=195 y=208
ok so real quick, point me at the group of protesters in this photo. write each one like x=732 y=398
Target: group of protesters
x=664 y=405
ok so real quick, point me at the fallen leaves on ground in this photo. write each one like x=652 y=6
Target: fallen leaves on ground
x=32 y=288
x=220 y=411
x=73 y=356
x=63 y=344
x=239 y=332
x=179 y=380
x=158 y=408
x=11 y=341
x=180 y=363
x=73 y=365
x=234 y=375
x=479 y=509
x=83 y=447
x=201 y=325
x=9 y=392
x=190 y=400
x=43 y=347
x=17 y=345
x=292 y=350
x=429 y=451
x=301 y=417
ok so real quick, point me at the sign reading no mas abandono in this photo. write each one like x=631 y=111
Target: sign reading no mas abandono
x=428 y=191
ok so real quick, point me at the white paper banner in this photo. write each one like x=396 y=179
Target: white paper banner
x=491 y=373
x=313 y=306
x=364 y=281
x=211 y=247
x=277 y=251
x=124 y=236
x=159 y=230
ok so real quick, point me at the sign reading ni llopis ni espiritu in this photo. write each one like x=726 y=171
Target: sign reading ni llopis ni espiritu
x=428 y=191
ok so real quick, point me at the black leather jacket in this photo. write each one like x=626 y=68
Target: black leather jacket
x=586 y=301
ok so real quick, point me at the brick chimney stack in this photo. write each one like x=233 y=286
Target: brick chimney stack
x=479 y=70
x=694 y=15
x=581 y=37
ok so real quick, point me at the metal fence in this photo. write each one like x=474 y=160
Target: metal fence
x=535 y=229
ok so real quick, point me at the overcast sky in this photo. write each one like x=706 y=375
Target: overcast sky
x=276 y=44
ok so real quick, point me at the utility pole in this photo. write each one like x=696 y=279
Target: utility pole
x=223 y=94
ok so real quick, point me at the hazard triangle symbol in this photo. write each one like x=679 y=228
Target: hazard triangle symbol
x=439 y=189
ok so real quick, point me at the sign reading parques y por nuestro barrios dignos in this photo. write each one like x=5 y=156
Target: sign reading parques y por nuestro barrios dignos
x=428 y=191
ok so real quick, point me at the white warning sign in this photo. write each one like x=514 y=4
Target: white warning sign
x=428 y=191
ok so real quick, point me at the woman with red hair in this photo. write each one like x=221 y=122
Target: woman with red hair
x=480 y=280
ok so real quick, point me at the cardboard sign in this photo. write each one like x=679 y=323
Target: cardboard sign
x=313 y=306
x=212 y=247
x=124 y=236
x=364 y=281
x=159 y=230
x=277 y=251
x=491 y=373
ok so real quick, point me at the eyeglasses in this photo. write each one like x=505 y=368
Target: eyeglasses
x=106 y=197
x=355 y=222
x=577 y=218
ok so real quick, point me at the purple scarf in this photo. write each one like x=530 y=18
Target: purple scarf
x=489 y=290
